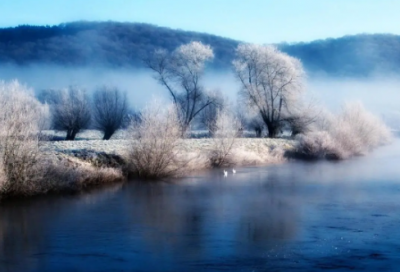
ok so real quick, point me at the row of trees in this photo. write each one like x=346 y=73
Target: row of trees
x=271 y=94
x=71 y=110
x=271 y=89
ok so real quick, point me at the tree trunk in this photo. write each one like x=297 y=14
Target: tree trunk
x=71 y=133
x=273 y=129
x=258 y=132
x=108 y=134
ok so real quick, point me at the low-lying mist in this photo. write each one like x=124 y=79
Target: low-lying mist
x=139 y=84
x=379 y=94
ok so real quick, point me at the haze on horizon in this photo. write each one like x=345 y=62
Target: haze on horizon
x=257 y=23
x=261 y=21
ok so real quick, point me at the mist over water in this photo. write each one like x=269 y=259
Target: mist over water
x=378 y=94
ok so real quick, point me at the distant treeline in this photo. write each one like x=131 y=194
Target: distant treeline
x=113 y=44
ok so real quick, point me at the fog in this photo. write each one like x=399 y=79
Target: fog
x=379 y=94
x=139 y=84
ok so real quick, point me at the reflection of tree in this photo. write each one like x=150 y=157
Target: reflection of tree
x=168 y=216
x=271 y=220
x=185 y=219
x=176 y=223
x=27 y=226
x=21 y=234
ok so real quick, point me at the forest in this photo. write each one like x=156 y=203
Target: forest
x=125 y=45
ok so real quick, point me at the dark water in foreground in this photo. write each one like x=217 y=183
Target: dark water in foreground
x=292 y=217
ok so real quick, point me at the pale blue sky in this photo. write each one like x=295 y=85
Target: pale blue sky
x=259 y=21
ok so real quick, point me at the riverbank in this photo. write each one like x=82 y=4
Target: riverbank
x=119 y=146
x=114 y=153
x=73 y=166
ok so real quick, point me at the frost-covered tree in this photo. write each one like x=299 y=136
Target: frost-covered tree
x=72 y=112
x=180 y=72
x=21 y=116
x=271 y=82
x=110 y=107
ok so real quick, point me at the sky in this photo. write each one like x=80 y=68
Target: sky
x=257 y=21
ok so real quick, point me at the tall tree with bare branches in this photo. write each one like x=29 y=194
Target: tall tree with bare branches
x=271 y=82
x=180 y=72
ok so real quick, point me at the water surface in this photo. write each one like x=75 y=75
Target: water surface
x=292 y=217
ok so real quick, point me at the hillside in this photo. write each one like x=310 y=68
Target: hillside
x=114 y=44
x=100 y=43
x=361 y=55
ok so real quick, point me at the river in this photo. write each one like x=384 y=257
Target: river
x=291 y=217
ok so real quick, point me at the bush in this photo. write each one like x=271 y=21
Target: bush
x=358 y=131
x=226 y=131
x=155 y=150
x=21 y=162
x=315 y=145
x=353 y=132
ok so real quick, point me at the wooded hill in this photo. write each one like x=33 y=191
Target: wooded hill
x=113 y=44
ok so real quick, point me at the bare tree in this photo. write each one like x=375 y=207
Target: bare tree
x=271 y=82
x=110 y=107
x=180 y=72
x=72 y=112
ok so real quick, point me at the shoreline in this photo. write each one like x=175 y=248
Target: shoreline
x=76 y=166
x=119 y=146
x=88 y=163
x=106 y=161
x=113 y=153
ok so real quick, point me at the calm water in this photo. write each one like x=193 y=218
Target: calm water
x=292 y=217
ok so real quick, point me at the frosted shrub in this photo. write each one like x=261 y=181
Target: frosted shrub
x=370 y=130
x=21 y=117
x=225 y=134
x=353 y=132
x=315 y=145
x=155 y=148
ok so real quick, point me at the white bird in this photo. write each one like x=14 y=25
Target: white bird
x=233 y=171
x=225 y=173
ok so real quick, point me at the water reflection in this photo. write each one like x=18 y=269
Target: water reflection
x=292 y=216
